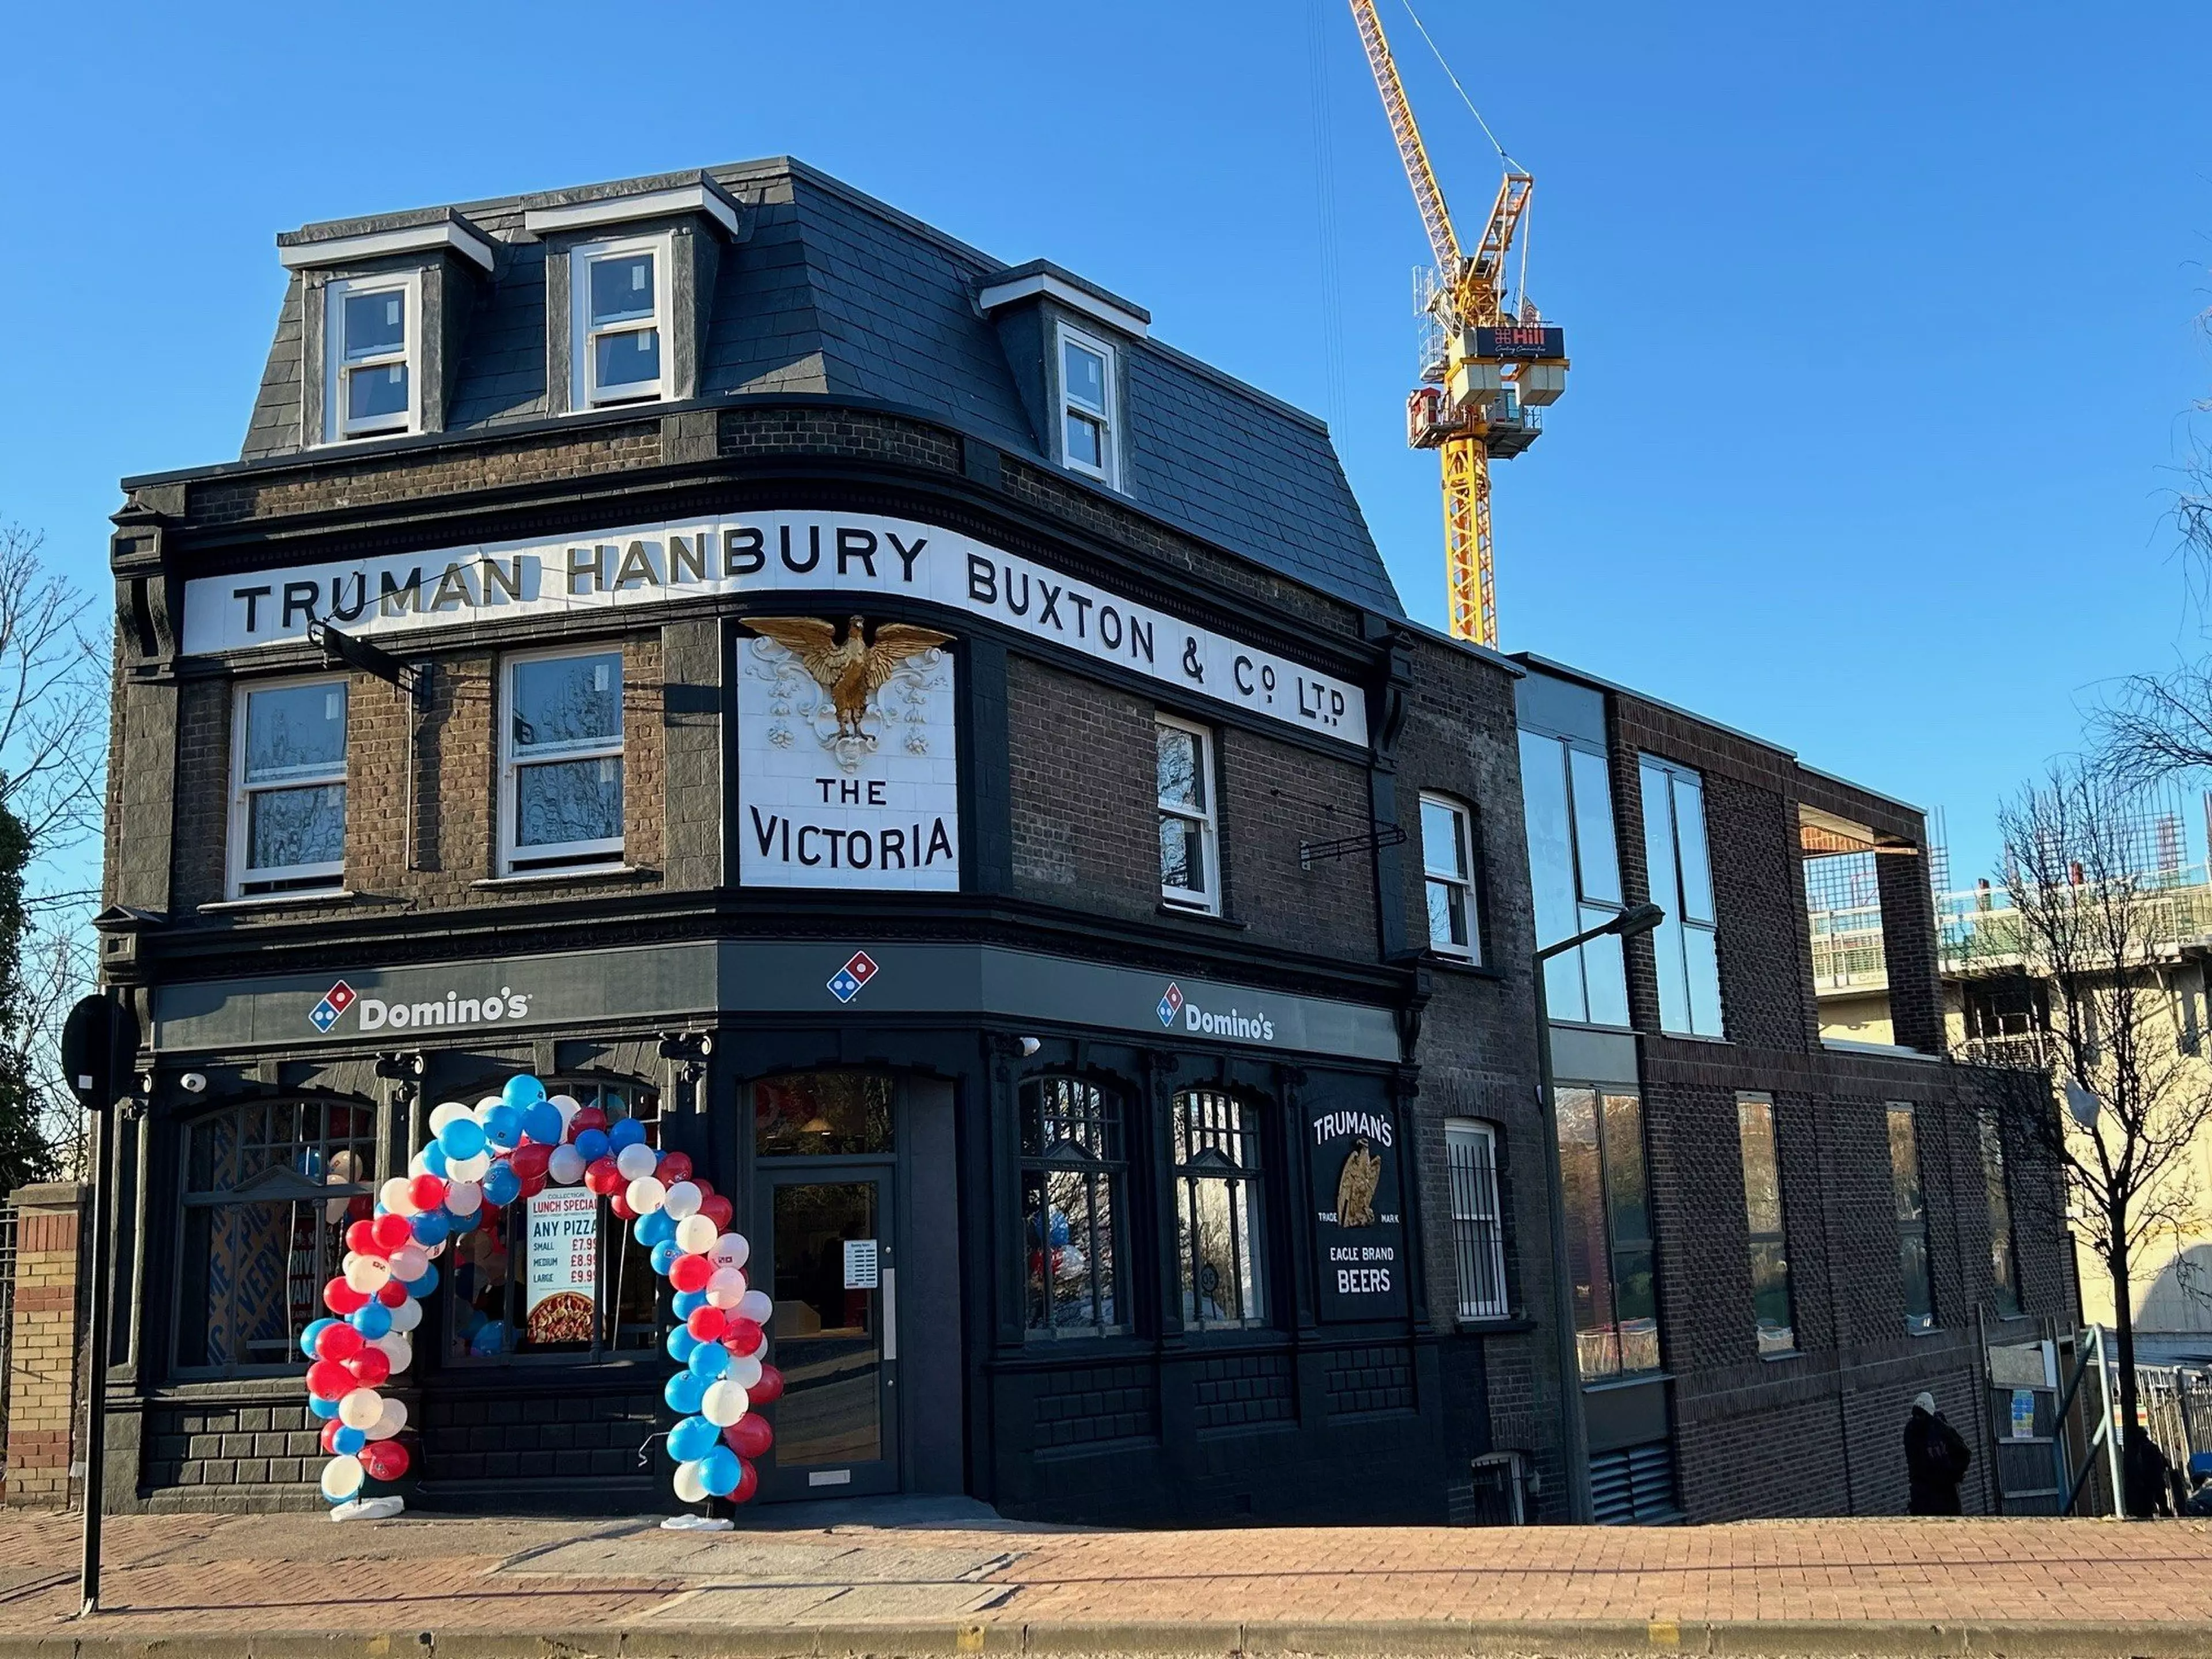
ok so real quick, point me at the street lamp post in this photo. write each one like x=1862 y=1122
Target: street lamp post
x=1630 y=923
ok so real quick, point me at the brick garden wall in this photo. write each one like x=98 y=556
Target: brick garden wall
x=42 y=1352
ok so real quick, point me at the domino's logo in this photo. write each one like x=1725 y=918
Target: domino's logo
x=845 y=984
x=336 y=1000
x=1170 y=1003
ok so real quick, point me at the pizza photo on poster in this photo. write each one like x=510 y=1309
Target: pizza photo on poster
x=1360 y=1232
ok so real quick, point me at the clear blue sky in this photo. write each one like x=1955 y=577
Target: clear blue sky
x=1883 y=317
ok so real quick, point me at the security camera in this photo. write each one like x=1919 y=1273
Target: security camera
x=706 y=1045
x=1030 y=1045
x=193 y=1083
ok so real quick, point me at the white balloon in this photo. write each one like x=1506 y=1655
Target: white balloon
x=690 y=1482
x=407 y=1316
x=450 y=1111
x=397 y=1349
x=756 y=1306
x=468 y=1168
x=636 y=1161
x=487 y=1103
x=694 y=1234
x=567 y=1106
x=730 y=1250
x=565 y=1168
x=463 y=1197
x=342 y=1477
x=645 y=1195
x=366 y=1273
x=725 y=1403
x=744 y=1370
x=726 y=1288
x=395 y=1197
x=390 y=1420
x=760 y=1348
x=361 y=1408
x=682 y=1201
x=409 y=1263
x=418 y=1165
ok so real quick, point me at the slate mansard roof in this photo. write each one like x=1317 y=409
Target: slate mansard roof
x=833 y=294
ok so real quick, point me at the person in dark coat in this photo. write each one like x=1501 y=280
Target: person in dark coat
x=1936 y=1459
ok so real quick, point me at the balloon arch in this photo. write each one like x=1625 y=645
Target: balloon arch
x=511 y=1146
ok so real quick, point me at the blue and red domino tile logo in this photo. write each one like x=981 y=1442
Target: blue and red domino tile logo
x=1170 y=1003
x=336 y=1000
x=845 y=984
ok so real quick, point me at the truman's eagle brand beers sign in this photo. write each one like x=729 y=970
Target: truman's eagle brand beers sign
x=1360 y=1232
x=857 y=557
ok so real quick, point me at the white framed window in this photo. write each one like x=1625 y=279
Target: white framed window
x=561 y=760
x=370 y=328
x=618 y=337
x=1190 y=873
x=287 y=787
x=1477 y=1221
x=1448 y=876
x=1089 y=442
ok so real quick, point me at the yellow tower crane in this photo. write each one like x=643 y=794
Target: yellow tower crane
x=1493 y=371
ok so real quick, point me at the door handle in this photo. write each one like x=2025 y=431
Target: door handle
x=889 y=1285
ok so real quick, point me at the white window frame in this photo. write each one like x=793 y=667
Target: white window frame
x=1208 y=820
x=599 y=854
x=1463 y=827
x=1071 y=406
x=337 y=427
x=1468 y=1200
x=277 y=879
x=585 y=391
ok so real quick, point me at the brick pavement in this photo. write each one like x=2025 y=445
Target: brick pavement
x=584 y=1587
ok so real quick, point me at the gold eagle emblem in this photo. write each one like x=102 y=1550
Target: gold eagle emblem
x=1356 y=1185
x=851 y=670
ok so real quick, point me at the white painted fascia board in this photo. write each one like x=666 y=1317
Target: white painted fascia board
x=1074 y=298
x=416 y=238
x=621 y=210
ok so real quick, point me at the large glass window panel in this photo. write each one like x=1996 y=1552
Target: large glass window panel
x=2004 y=1254
x=1702 y=980
x=1597 y=859
x=564 y=755
x=821 y=1113
x=1590 y=1260
x=1762 y=1205
x=627 y=357
x=1684 y=949
x=566 y=801
x=1447 y=881
x=1071 y=1179
x=1551 y=847
x=1183 y=768
x=1914 y=1269
x=568 y=700
x=374 y=323
x=287 y=828
x=1217 y=1223
x=1604 y=977
x=1690 y=847
x=1627 y=1204
x=621 y=287
x=1085 y=372
x=376 y=392
x=296 y=731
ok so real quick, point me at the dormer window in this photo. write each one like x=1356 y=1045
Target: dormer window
x=371 y=325
x=1088 y=440
x=621 y=291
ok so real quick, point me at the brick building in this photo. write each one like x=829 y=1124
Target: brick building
x=1122 y=920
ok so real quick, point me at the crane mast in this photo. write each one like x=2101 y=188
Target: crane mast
x=1495 y=371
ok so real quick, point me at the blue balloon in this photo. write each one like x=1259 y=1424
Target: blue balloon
x=500 y=1184
x=684 y=1393
x=542 y=1123
x=489 y=1338
x=523 y=1092
x=421 y=1288
x=502 y=1126
x=433 y=1159
x=708 y=1360
x=431 y=1227
x=1059 y=1227
x=315 y=1329
x=684 y=1303
x=328 y=1408
x=659 y=1227
x=721 y=1471
x=679 y=1344
x=593 y=1145
x=347 y=1442
x=472 y=1320
x=467 y=1224
x=664 y=1256
x=463 y=1137
x=372 y=1321
x=692 y=1439
x=626 y=1132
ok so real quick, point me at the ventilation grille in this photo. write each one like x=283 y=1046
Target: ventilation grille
x=1634 y=1486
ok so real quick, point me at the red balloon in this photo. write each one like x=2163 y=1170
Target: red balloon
x=370 y=1367
x=742 y=1337
x=691 y=1273
x=589 y=1117
x=706 y=1187
x=328 y=1380
x=341 y=1299
x=534 y=1184
x=360 y=1239
x=769 y=1390
x=748 y=1482
x=428 y=1191
x=530 y=1160
x=749 y=1435
x=385 y=1459
x=391 y=1232
x=674 y=1167
x=358 y=1208
x=620 y=1206
x=331 y=1435
x=601 y=1176
x=718 y=1210
x=707 y=1323
x=392 y=1295
x=339 y=1342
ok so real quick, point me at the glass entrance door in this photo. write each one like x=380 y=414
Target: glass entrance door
x=830 y=1253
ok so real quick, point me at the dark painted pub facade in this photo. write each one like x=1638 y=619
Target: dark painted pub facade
x=951 y=763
